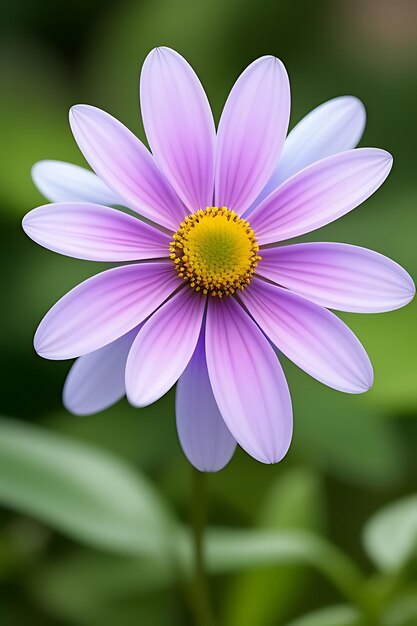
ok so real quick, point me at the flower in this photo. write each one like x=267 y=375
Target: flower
x=207 y=289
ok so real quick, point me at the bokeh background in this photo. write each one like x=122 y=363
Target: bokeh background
x=351 y=456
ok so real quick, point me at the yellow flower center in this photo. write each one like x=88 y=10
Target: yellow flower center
x=216 y=251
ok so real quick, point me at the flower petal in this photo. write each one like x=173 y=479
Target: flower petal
x=164 y=347
x=103 y=308
x=97 y=380
x=94 y=232
x=251 y=133
x=311 y=336
x=339 y=276
x=179 y=125
x=123 y=162
x=248 y=382
x=204 y=437
x=320 y=194
x=334 y=126
x=64 y=182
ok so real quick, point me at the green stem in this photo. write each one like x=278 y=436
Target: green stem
x=200 y=597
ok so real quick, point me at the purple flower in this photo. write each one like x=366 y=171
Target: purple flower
x=206 y=295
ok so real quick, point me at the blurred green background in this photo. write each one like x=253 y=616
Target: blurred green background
x=85 y=535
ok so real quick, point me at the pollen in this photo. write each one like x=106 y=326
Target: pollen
x=215 y=251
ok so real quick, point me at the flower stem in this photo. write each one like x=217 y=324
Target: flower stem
x=200 y=597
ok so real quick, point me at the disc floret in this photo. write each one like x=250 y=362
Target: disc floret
x=215 y=251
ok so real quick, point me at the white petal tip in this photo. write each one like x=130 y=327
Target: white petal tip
x=209 y=469
x=161 y=51
x=274 y=64
x=37 y=344
x=48 y=355
x=387 y=158
x=41 y=348
x=271 y=457
x=137 y=403
x=37 y=170
x=140 y=401
x=377 y=156
x=29 y=223
x=408 y=297
x=352 y=102
x=271 y=460
x=45 y=354
x=26 y=224
x=271 y=59
x=361 y=386
x=79 y=110
x=406 y=289
x=74 y=110
x=409 y=290
x=74 y=410
x=77 y=409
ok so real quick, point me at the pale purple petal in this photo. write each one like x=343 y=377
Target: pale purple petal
x=204 y=437
x=95 y=233
x=103 y=308
x=320 y=194
x=163 y=347
x=179 y=125
x=334 y=126
x=97 y=380
x=248 y=382
x=64 y=182
x=311 y=336
x=123 y=162
x=339 y=276
x=251 y=133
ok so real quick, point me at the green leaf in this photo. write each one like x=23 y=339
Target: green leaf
x=341 y=615
x=233 y=550
x=127 y=432
x=81 y=491
x=87 y=585
x=403 y=611
x=94 y=581
x=294 y=501
x=390 y=536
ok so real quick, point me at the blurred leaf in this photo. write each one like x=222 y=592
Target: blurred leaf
x=340 y=433
x=80 y=490
x=22 y=543
x=403 y=611
x=390 y=536
x=227 y=551
x=151 y=608
x=146 y=436
x=343 y=615
x=87 y=585
x=294 y=501
x=233 y=550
